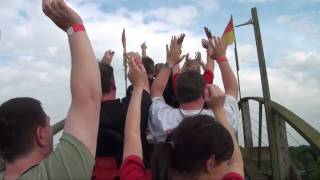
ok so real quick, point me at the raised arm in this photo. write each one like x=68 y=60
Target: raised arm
x=107 y=57
x=219 y=48
x=215 y=99
x=173 y=58
x=83 y=116
x=199 y=60
x=210 y=61
x=132 y=137
x=144 y=49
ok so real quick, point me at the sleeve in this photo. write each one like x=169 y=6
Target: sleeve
x=208 y=76
x=162 y=119
x=70 y=160
x=233 y=176
x=174 y=81
x=132 y=168
x=232 y=111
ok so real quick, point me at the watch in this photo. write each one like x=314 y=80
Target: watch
x=168 y=65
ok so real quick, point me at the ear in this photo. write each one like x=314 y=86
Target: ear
x=211 y=164
x=40 y=136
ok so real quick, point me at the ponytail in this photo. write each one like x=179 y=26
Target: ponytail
x=161 y=161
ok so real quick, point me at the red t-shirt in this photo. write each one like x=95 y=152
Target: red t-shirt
x=132 y=168
x=207 y=76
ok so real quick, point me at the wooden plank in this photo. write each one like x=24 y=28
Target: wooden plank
x=246 y=122
x=58 y=127
x=260 y=135
x=278 y=168
x=310 y=134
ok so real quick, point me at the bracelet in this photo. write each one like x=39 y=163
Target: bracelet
x=75 y=28
x=221 y=59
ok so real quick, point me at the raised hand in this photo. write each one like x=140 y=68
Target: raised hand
x=137 y=73
x=107 y=58
x=144 y=49
x=188 y=58
x=198 y=57
x=214 y=96
x=60 y=13
x=181 y=38
x=174 y=51
x=205 y=43
x=143 y=46
x=208 y=33
x=219 y=47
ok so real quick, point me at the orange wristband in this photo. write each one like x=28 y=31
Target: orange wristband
x=75 y=28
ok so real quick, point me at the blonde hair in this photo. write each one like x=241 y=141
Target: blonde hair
x=190 y=65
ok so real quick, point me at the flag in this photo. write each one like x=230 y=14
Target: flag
x=228 y=35
x=123 y=38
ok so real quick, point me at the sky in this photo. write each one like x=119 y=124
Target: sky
x=35 y=57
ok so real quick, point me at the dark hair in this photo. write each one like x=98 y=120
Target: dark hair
x=148 y=64
x=19 y=117
x=157 y=68
x=107 y=77
x=190 y=86
x=191 y=144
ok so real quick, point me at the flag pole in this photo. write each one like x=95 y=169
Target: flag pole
x=236 y=56
x=124 y=44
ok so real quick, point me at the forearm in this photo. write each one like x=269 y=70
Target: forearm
x=159 y=84
x=236 y=160
x=144 y=52
x=176 y=69
x=132 y=137
x=210 y=64
x=85 y=76
x=229 y=80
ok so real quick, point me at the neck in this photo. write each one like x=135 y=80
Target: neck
x=194 y=105
x=109 y=96
x=16 y=168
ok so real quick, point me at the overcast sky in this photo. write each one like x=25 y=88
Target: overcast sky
x=35 y=58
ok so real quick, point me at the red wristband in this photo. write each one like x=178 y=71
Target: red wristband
x=221 y=59
x=75 y=28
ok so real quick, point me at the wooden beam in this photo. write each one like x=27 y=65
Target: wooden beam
x=278 y=167
x=246 y=122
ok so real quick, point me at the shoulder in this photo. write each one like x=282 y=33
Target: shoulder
x=70 y=160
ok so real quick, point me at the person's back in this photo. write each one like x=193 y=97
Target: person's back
x=112 y=117
x=190 y=89
x=26 y=139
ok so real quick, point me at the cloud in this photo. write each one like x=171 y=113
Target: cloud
x=256 y=1
x=35 y=58
x=304 y=23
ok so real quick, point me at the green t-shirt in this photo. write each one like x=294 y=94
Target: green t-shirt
x=70 y=160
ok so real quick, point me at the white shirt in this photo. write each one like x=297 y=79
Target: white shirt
x=164 y=118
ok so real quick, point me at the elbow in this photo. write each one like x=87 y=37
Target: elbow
x=92 y=94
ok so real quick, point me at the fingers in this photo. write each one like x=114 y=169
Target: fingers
x=208 y=32
x=181 y=38
x=216 y=43
x=141 y=68
x=181 y=58
x=45 y=3
x=222 y=42
x=204 y=43
x=167 y=49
